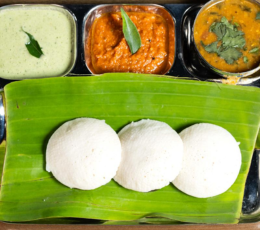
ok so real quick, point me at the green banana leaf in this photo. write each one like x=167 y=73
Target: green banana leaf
x=2 y=157
x=257 y=144
x=36 y=108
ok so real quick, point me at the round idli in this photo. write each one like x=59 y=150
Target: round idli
x=211 y=161
x=151 y=155
x=83 y=153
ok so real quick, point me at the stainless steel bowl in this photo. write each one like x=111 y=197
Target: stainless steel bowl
x=97 y=11
x=74 y=30
x=209 y=66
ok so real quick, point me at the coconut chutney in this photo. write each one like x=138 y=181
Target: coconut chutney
x=54 y=29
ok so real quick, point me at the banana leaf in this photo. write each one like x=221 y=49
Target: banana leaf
x=36 y=108
x=2 y=157
x=257 y=144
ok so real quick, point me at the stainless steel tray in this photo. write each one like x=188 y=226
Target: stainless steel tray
x=186 y=65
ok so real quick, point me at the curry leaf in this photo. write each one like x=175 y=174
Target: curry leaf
x=245 y=59
x=33 y=46
x=131 y=33
x=254 y=50
x=257 y=16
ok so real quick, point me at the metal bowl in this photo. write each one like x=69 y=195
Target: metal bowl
x=97 y=11
x=74 y=30
x=209 y=66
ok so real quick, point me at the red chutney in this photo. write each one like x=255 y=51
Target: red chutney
x=109 y=50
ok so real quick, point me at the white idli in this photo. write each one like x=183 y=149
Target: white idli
x=151 y=155
x=211 y=161
x=83 y=153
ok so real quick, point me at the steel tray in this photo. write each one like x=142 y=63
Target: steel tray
x=186 y=65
